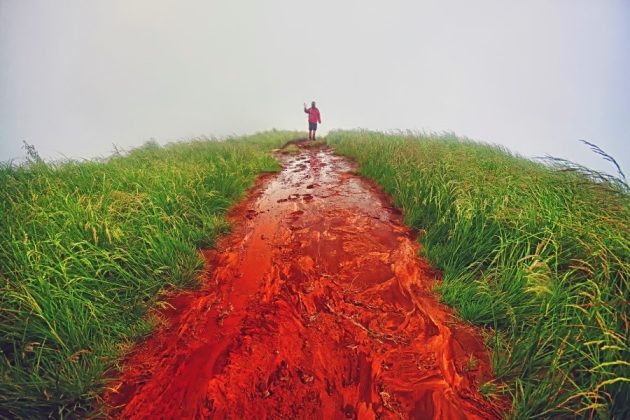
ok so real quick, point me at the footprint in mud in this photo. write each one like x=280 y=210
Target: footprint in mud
x=250 y=214
x=307 y=197
x=282 y=200
x=311 y=186
x=305 y=377
x=296 y=214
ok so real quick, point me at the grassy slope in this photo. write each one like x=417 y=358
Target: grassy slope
x=86 y=247
x=540 y=257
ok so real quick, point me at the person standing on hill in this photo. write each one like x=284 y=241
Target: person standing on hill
x=314 y=117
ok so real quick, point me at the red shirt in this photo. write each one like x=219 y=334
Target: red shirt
x=313 y=115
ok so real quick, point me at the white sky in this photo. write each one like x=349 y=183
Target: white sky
x=533 y=75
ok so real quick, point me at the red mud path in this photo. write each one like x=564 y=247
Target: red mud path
x=316 y=306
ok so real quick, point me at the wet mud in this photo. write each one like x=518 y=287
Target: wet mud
x=315 y=306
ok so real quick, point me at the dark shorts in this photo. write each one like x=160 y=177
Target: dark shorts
x=312 y=126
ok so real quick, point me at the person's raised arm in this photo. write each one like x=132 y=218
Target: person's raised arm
x=305 y=110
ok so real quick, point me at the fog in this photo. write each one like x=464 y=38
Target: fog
x=535 y=76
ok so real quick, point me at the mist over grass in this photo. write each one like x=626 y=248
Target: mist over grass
x=86 y=248
x=538 y=256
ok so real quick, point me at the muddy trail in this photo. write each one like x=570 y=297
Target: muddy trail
x=315 y=306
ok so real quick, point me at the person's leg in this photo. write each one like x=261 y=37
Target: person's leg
x=311 y=130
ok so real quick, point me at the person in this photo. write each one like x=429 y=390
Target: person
x=314 y=117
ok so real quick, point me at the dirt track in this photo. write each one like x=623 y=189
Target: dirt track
x=315 y=306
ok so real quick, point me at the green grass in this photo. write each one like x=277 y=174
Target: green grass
x=538 y=257
x=86 y=248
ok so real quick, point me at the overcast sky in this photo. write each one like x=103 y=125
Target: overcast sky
x=533 y=75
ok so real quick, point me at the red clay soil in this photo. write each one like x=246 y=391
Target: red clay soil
x=315 y=306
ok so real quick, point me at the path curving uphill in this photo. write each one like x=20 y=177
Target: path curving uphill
x=316 y=306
